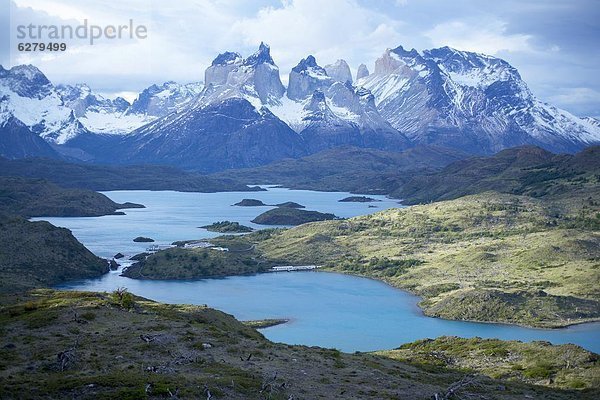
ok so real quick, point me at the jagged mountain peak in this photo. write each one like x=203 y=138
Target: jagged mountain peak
x=255 y=78
x=309 y=64
x=31 y=98
x=402 y=52
x=262 y=56
x=158 y=100
x=226 y=58
x=26 y=71
x=306 y=77
x=25 y=81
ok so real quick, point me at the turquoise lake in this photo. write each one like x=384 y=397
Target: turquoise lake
x=325 y=309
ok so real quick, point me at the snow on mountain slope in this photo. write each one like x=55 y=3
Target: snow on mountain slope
x=328 y=112
x=157 y=101
x=228 y=134
x=117 y=116
x=30 y=97
x=98 y=114
x=469 y=101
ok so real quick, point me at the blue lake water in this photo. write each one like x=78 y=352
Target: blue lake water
x=326 y=309
x=171 y=216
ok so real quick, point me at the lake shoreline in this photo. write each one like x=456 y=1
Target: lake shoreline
x=548 y=328
x=173 y=215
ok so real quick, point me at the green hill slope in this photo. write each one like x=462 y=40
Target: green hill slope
x=488 y=257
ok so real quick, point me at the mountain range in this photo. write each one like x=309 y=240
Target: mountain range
x=243 y=116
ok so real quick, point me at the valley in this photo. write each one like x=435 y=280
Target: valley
x=435 y=250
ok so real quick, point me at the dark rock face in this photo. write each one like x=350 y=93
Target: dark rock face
x=229 y=134
x=113 y=265
x=324 y=129
x=17 y=141
x=220 y=68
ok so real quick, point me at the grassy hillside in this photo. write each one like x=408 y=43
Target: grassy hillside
x=106 y=177
x=40 y=198
x=348 y=169
x=37 y=254
x=536 y=362
x=527 y=170
x=118 y=346
x=489 y=257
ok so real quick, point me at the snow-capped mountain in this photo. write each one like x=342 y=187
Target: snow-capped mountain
x=28 y=95
x=244 y=116
x=329 y=111
x=81 y=100
x=468 y=101
x=592 y=121
x=228 y=134
x=98 y=114
x=117 y=116
x=62 y=112
x=157 y=101
x=255 y=79
x=305 y=78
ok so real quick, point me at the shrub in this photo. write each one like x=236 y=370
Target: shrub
x=123 y=298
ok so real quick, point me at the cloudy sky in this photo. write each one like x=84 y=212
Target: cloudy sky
x=555 y=44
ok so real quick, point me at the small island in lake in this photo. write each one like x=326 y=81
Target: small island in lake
x=291 y=216
x=227 y=227
x=250 y=203
x=143 y=239
x=358 y=199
